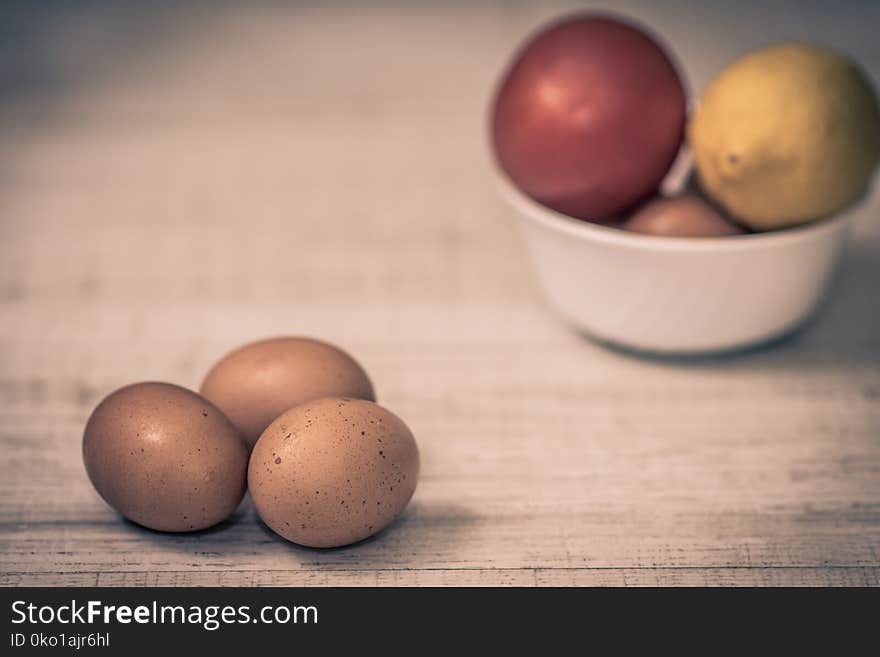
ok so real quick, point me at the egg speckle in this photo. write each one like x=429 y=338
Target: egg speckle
x=165 y=458
x=333 y=471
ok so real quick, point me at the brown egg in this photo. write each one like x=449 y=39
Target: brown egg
x=165 y=458
x=257 y=382
x=333 y=471
x=683 y=216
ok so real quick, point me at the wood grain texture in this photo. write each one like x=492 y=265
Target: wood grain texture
x=209 y=178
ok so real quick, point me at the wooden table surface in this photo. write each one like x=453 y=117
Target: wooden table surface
x=175 y=182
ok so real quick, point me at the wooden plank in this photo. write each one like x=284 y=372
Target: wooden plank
x=463 y=577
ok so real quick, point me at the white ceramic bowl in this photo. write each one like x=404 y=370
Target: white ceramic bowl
x=677 y=295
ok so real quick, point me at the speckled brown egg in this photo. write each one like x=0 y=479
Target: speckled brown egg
x=333 y=471
x=257 y=382
x=165 y=458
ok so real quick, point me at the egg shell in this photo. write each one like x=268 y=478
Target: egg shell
x=257 y=382
x=333 y=471
x=165 y=458
x=684 y=216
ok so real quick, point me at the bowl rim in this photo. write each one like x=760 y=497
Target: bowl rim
x=590 y=231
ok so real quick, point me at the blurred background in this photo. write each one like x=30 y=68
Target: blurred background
x=216 y=158
x=177 y=178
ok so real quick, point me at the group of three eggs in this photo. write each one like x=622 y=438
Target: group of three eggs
x=292 y=420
